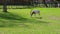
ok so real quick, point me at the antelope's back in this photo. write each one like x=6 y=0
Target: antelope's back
x=36 y=11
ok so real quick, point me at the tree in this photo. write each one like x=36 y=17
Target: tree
x=45 y=3
x=5 y=6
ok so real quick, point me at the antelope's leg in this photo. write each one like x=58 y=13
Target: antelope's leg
x=39 y=14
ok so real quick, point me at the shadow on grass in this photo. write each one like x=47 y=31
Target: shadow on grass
x=11 y=20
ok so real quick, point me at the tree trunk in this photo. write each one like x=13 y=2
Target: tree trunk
x=45 y=3
x=4 y=7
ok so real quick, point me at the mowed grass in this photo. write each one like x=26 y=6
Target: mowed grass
x=18 y=21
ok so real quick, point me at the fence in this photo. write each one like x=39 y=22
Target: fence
x=41 y=5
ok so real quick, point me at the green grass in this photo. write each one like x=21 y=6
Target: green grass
x=18 y=21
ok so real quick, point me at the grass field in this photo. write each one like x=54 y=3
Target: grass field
x=18 y=21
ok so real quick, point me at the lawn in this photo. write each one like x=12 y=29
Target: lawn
x=18 y=21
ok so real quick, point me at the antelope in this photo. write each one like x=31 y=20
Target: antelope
x=35 y=12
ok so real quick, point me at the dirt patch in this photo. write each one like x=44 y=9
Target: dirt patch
x=54 y=17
